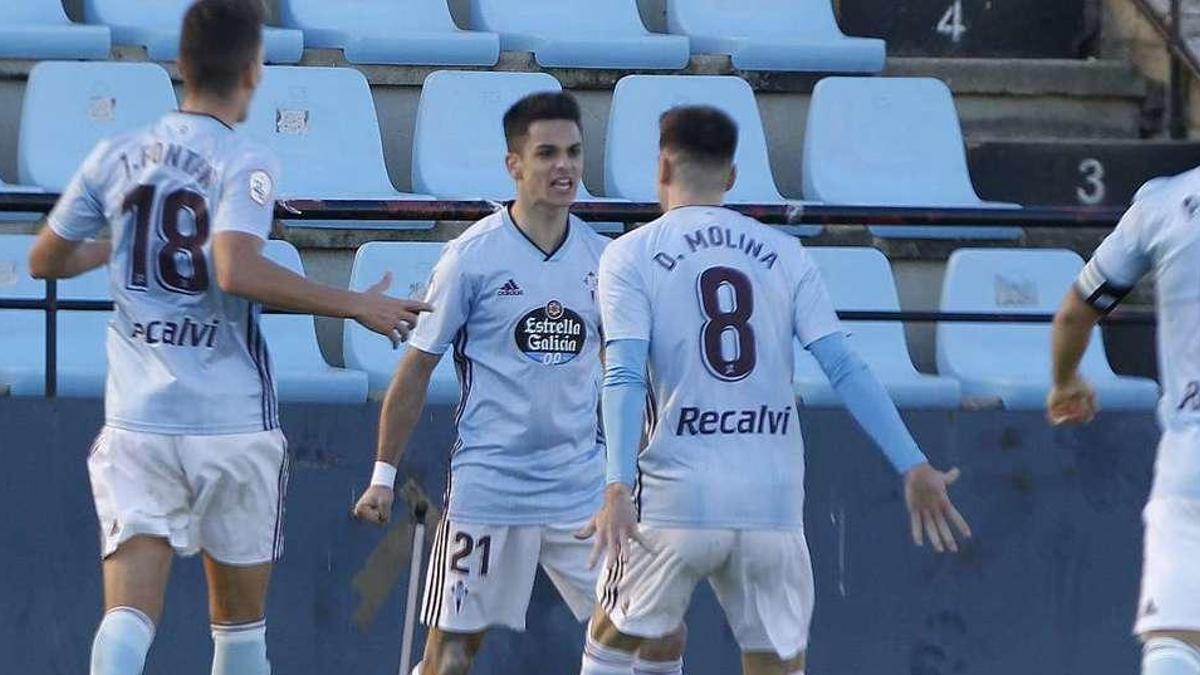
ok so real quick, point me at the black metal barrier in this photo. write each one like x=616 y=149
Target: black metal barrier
x=629 y=212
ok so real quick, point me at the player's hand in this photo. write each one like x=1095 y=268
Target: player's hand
x=391 y=317
x=931 y=513
x=1073 y=403
x=375 y=505
x=615 y=526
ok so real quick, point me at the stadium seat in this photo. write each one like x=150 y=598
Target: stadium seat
x=402 y=32
x=155 y=25
x=631 y=151
x=860 y=279
x=70 y=106
x=39 y=29
x=579 y=33
x=81 y=335
x=301 y=373
x=1011 y=362
x=411 y=264
x=891 y=142
x=19 y=216
x=797 y=35
x=321 y=123
x=459 y=116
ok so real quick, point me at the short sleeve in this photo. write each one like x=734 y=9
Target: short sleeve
x=79 y=214
x=1118 y=263
x=814 y=316
x=451 y=292
x=624 y=294
x=247 y=200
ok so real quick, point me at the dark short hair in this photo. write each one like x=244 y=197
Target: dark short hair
x=704 y=133
x=219 y=42
x=547 y=105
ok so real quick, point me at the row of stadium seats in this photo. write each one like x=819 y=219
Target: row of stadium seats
x=999 y=363
x=758 y=34
x=869 y=141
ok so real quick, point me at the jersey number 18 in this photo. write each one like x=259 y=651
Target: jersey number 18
x=172 y=246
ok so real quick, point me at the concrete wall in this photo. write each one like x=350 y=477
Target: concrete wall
x=1048 y=585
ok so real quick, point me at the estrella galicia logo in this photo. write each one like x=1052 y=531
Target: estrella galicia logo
x=551 y=335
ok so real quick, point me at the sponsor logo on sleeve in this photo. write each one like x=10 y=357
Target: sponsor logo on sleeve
x=261 y=187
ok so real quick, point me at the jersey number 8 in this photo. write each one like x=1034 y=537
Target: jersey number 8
x=174 y=247
x=726 y=338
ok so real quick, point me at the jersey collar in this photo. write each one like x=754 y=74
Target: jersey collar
x=201 y=115
x=533 y=248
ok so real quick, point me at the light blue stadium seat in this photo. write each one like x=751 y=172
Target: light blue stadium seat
x=9 y=187
x=81 y=335
x=798 y=35
x=579 y=33
x=459 y=116
x=71 y=106
x=631 y=150
x=40 y=29
x=411 y=264
x=301 y=373
x=321 y=123
x=860 y=279
x=1011 y=362
x=417 y=32
x=155 y=25
x=891 y=142
x=19 y=216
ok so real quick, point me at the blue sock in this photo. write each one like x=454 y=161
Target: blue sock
x=240 y=649
x=121 y=643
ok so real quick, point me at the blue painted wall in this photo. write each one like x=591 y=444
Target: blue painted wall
x=1047 y=586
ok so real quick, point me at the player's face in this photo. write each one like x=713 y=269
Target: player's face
x=550 y=165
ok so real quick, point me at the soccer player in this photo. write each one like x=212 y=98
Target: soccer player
x=191 y=458
x=713 y=301
x=514 y=296
x=1160 y=233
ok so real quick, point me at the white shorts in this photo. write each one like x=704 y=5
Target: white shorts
x=762 y=578
x=222 y=494
x=482 y=575
x=1170 y=598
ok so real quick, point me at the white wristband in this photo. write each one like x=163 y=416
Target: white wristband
x=384 y=474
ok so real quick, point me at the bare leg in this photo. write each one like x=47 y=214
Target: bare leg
x=768 y=663
x=135 y=579
x=449 y=653
x=237 y=598
x=135 y=575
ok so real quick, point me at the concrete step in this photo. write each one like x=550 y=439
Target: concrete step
x=976 y=28
x=1055 y=172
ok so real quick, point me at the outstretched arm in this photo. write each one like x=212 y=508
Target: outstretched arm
x=931 y=513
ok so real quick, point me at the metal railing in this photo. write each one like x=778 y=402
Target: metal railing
x=776 y=214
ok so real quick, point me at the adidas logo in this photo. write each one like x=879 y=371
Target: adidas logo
x=1150 y=609
x=510 y=288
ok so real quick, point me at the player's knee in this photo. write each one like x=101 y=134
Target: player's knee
x=227 y=609
x=455 y=659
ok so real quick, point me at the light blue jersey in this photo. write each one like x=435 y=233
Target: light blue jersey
x=184 y=357
x=1161 y=234
x=525 y=331
x=720 y=298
